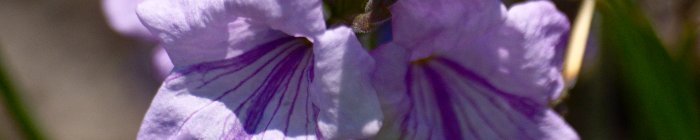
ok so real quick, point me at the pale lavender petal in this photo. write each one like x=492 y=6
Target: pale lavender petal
x=392 y=64
x=271 y=86
x=239 y=75
x=346 y=97
x=294 y=17
x=198 y=31
x=393 y=61
x=519 y=57
x=161 y=61
x=493 y=82
x=260 y=93
x=121 y=16
x=439 y=24
x=445 y=100
x=545 y=30
x=206 y=20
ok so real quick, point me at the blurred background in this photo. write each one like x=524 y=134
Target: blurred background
x=76 y=78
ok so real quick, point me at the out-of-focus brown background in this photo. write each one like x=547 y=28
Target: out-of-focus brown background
x=79 y=79
x=82 y=80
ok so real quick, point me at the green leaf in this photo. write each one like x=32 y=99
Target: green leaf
x=659 y=93
x=15 y=107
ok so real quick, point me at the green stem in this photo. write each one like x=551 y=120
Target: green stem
x=15 y=107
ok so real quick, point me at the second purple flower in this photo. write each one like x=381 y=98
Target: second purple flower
x=470 y=69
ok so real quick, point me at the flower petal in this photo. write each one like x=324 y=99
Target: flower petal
x=175 y=19
x=162 y=62
x=520 y=57
x=444 y=100
x=343 y=70
x=439 y=24
x=121 y=16
x=545 y=30
x=392 y=64
x=261 y=93
x=294 y=17
x=493 y=83
x=280 y=88
x=195 y=31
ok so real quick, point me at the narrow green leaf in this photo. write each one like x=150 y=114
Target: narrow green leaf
x=15 y=106
x=659 y=92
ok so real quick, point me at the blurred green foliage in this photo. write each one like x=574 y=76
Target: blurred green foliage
x=658 y=91
x=15 y=107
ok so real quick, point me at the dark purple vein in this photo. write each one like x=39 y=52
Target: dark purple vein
x=239 y=61
x=444 y=103
x=235 y=87
x=272 y=84
x=524 y=105
x=288 y=79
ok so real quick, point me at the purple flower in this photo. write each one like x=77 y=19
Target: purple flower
x=470 y=69
x=121 y=16
x=162 y=62
x=258 y=69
